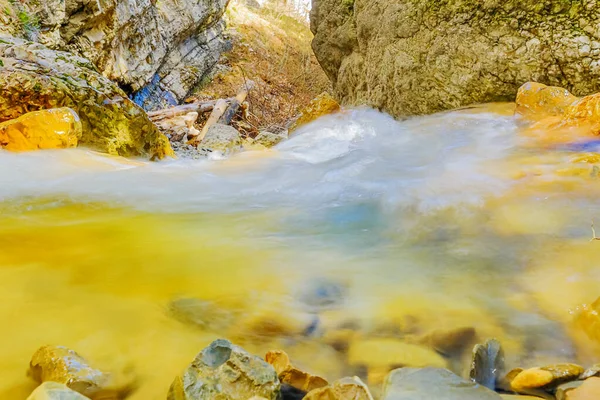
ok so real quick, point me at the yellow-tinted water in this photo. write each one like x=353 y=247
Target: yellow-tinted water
x=434 y=223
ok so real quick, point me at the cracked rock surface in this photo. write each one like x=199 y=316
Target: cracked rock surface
x=410 y=57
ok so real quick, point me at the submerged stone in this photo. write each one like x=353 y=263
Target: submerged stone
x=432 y=383
x=63 y=365
x=291 y=375
x=55 y=391
x=322 y=105
x=200 y=313
x=487 y=363
x=449 y=342
x=57 y=128
x=380 y=356
x=225 y=371
x=343 y=389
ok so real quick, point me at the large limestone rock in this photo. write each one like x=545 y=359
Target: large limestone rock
x=58 y=128
x=421 y=56
x=224 y=371
x=33 y=77
x=157 y=50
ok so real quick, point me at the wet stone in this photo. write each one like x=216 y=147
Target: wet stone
x=292 y=376
x=487 y=363
x=225 y=371
x=432 y=383
x=589 y=390
x=545 y=378
x=63 y=365
x=55 y=391
x=594 y=370
x=343 y=389
x=562 y=391
x=449 y=342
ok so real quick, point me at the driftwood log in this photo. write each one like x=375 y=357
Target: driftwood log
x=223 y=112
x=199 y=107
x=236 y=103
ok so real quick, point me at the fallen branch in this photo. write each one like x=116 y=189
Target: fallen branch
x=199 y=107
x=218 y=110
x=235 y=104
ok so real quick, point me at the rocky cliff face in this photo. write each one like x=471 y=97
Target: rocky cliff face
x=157 y=50
x=420 y=56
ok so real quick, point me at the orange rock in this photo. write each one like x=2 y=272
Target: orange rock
x=56 y=128
x=343 y=389
x=585 y=112
x=535 y=100
x=323 y=104
x=589 y=390
x=293 y=376
x=545 y=377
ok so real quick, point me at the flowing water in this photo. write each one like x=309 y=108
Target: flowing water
x=387 y=228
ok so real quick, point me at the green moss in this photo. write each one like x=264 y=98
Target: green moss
x=349 y=4
x=1 y=63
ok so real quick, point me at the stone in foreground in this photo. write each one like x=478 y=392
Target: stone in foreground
x=33 y=77
x=320 y=106
x=545 y=378
x=432 y=383
x=63 y=365
x=293 y=376
x=225 y=371
x=58 y=128
x=343 y=389
x=589 y=390
x=55 y=391
x=487 y=363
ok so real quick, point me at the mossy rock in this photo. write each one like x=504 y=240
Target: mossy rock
x=34 y=77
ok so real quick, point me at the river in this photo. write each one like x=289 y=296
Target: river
x=393 y=228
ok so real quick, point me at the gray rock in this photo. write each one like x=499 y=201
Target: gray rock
x=410 y=57
x=432 y=383
x=222 y=138
x=228 y=372
x=270 y=139
x=487 y=364
x=158 y=50
x=594 y=370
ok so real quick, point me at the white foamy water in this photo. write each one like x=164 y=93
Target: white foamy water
x=361 y=156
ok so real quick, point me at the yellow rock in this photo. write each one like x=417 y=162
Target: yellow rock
x=55 y=391
x=382 y=355
x=545 y=377
x=62 y=365
x=535 y=100
x=589 y=390
x=293 y=376
x=518 y=397
x=585 y=111
x=323 y=104
x=56 y=128
x=343 y=389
